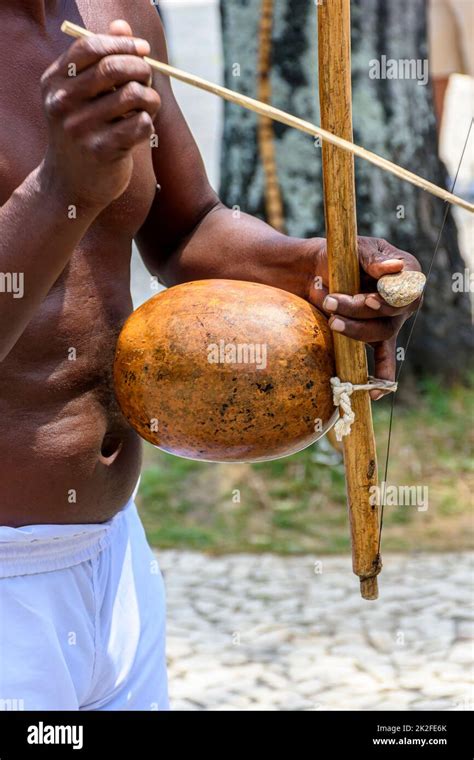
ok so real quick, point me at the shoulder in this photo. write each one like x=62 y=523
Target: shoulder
x=142 y=16
x=146 y=22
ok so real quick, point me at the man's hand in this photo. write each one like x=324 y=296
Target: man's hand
x=99 y=105
x=366 y=316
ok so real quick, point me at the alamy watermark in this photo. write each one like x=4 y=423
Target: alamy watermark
x=401 y=68
x=42 y=733
x=463 y=282
x=399 y=496
x=237 y=353
x=12 y=704
x=12 y=282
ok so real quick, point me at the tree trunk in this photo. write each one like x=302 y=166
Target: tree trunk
x=392 y=117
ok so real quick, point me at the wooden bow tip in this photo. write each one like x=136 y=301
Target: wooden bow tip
x=369 y=588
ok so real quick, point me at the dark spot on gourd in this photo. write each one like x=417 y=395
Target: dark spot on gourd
x=264 y=388
x=130 y=376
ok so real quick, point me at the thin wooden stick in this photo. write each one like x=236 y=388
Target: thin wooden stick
x=291 y=121
x=360 y=458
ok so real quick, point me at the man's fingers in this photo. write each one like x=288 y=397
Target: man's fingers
x=378 y=257
x=90 y=50
x=131 y=97
x=376 y=267
x=317 y=294
x=109 y=74
x=113 y=140
x=362 y=306
x=385 y=364
x=86 y=52
x=367 y=330
x=121 y=27
x=112 y=71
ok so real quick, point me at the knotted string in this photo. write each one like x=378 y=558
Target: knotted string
x=342 y=392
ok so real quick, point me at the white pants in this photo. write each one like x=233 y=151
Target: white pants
x=82 y=618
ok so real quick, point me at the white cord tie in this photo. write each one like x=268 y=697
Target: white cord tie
x=342 y=392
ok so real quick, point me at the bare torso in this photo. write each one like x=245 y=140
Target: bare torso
x=66 y=453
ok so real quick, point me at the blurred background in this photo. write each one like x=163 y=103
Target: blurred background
x=264 y=611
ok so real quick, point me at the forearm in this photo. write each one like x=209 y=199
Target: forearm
x=227 y=246
x=38 y=235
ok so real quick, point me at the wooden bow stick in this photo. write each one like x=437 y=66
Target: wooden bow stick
x=291 y=121
x=360 y=458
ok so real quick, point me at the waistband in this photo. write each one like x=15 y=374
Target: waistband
x=43 y=548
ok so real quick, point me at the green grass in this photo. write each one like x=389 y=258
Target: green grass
x=297 y=505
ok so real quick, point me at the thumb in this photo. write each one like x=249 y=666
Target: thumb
x=317 y=293
x=120 y=27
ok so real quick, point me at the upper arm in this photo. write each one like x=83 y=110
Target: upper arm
x=185 y=194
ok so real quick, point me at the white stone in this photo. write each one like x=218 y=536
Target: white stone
x=462 y=653
x=465 y=630
x=432 y=704
x=183 y=704
x=176 y=648
x=441 y=689
x=274 y=680
x=383 y=641
x=311 y=689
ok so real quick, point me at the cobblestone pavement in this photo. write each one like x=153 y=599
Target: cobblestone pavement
x=272 y=633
